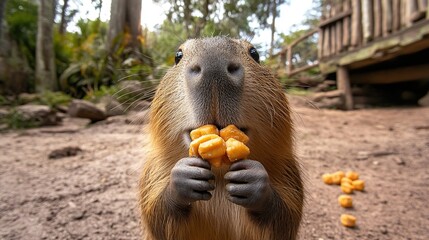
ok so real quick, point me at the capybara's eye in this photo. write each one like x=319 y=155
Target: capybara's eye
x=254 y=53
x=179 y=55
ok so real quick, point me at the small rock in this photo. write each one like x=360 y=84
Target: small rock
x=85 y=109
x=111 y=106
x=25 y=98
x=375 y=163
x=399 y=161
x=3 y=113
x=362 y=155
x=78 y=214
x=71 y=204
x=384 y=230
x=64 y=152
x=40 y=115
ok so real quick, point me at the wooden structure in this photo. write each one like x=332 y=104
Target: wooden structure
x=369 y=42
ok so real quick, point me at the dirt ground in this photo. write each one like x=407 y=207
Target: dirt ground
x=93 y=195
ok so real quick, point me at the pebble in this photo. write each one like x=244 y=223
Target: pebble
x=362 y=155
x=399 y=161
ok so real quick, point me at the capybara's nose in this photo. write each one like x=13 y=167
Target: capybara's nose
x=215 y=73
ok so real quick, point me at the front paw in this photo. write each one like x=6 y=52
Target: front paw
x=190 y=181
x=249 y=185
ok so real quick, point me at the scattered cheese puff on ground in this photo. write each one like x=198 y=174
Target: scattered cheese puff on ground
x=337 y=176
x=348 y=220
x=195 y=144
x=347 y=188
x=231 y=131
x=213 y=148
x=204 y=130
x=345 y=201
x=358 y=185
x=346 y=179
x=236 y=150
x=327 y=178
x=352 y=175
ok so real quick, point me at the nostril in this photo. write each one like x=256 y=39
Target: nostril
x=196 y=69
x=233 y=68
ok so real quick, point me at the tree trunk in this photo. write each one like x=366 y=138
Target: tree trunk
x=187 y=16
x=63 y=22
x=117 y=20
x=124 y=15
x=2 y=9
x=203 y=21
x=273 y=26
x=133 y=16
x=45 y=57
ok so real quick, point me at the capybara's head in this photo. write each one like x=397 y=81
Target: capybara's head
x=220 y=81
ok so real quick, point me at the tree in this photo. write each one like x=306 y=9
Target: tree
x=45 y=56
x=2 y=9
x=125 y=16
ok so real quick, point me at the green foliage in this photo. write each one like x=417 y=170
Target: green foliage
x=3 y=101
x=14 y=120
x=21 y=19
x=93 y=66
x=95 y=95
x=54 y=99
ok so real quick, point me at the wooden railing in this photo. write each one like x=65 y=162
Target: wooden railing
x=347 y=25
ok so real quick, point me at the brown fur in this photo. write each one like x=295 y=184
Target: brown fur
x=264 y=111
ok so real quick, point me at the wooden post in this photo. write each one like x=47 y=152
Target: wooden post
x=339 y=29
x=356 y=23
x=427 y=11
x=320 y=44
x=387 y=17
x=333 y=31
x=326 y=42
x=367 y=20
x=396 y=15
x=346 y=26
x=289 y=60
x=343 y=84
x=377 y=19
x=404 y=13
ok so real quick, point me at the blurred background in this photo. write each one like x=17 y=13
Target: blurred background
x=68 y=49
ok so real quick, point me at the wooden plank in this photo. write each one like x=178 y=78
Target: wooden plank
x=356 y=29
x=333 y=32
x=320 y=44
x=343 y=84
x=289 y=60
x=396 y=15
x=346 y=24
x=334 y=19
x=367 y=20
x=420 y=13
x=411 y=9
x=427 y=11
x=393 y=75
x=326 y=43
x=386 y=5
x=306 y=35
x=339 y=29
x=378 y=16
x=405 y=41
x=404 y=12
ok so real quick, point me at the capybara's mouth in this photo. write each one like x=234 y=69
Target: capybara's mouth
x=187 y=132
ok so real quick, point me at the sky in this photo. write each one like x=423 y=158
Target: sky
x=154 y=14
